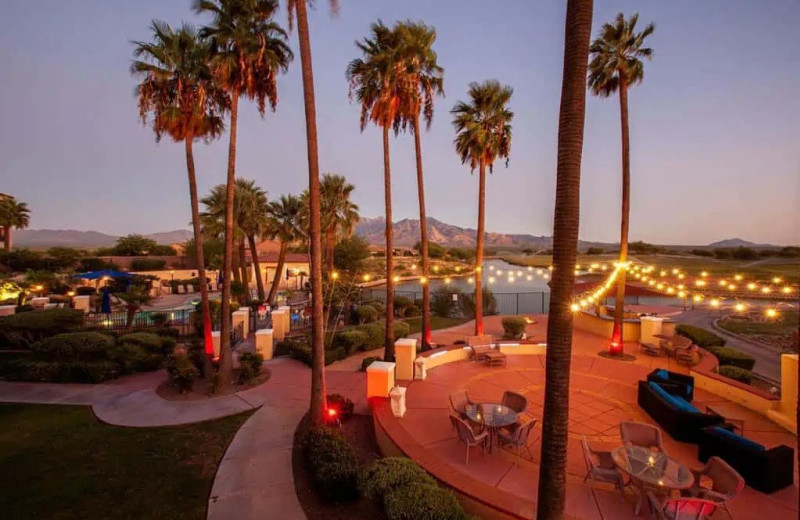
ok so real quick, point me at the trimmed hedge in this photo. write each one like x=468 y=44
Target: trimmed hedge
x=152 y=343
x=730 y=357
x=417 y=501
x=132 y=358
x=700 y=337
x=513 y=327
x=401 y=329
x=21 y=329
x=74 y=346
x=62 y=371
x=331 y=463
x=181 y=371
x=736 y=373
x=367 y=313
x=375 y=335
x=350 y=340
x=387 y=474
x=249 y=365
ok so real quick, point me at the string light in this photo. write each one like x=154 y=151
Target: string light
x=491 y=279
x=766 y=290
x=471 y=280
x=740 y=307
x=771 y=313
x=366 y=277
x=715 y=302
x=738 y=277
x=447 y=279
x=704 y=274
x=423 y=280
x=335 y=275
x=574 y=307
x=777 y=280
x=396 y=279
x=751 y=286
x=786 y=290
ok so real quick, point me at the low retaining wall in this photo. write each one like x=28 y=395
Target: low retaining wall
x=604 y=326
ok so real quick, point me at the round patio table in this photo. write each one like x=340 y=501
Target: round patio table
x=651 y=470
x=492 y=416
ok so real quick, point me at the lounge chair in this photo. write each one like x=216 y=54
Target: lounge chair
x=468 y=436
x=601 y=467
x=641 y=434
x=726 y=482
x=480 y=345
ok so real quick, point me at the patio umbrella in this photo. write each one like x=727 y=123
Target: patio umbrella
x=105 y=304
x=96 y=275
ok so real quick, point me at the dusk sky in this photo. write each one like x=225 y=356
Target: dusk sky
x=715 y=126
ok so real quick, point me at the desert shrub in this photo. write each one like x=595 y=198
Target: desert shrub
x=700 y=337
x=152 y=343
x=350 y=340
x=331 y=463
x=442 y=303
x=73 y=346
x=375 y=335
x=343 y=405
x=181 y=371
x=367 y=361
x=513 y=327
x=384 y=475
x=401 y=303
x=34 y=326
x=418 y=501
x=737 y=373
x=400 y=329
x=367 y=313
x=132 y=358
x=412 y=311
x=148 y=264
x=731 y=357
x=249 y=366
x=595 y=251
x=466 y=304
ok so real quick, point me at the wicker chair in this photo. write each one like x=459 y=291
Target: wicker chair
x=687 y=356
x=726 y=482
x=681 y=508
x=459 y=400
x=515 y=401
x=518 y=438
x=641 y=434
x=601 y=467
x=468 y=436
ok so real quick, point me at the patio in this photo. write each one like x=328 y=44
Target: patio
x=602 y=394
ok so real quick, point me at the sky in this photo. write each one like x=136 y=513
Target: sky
x=715 y=126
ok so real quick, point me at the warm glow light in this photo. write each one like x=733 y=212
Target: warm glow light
x=574 y=307
x=458 y=269
x=499 y=272
x=670 y=291
x=539 y=271
x=660 y=286
x=777 y=279
x=491 y=279
x=771 y=313
x=704 y=274
x=479 y=268
x=604 y=267
x=766 y=290
x=738 y=277
x=751 y=286
x=39 y=287
x=644 y=278
x=681 y=286
x=423 y=280
x=529 y=278
x=697 y=298
x=447 y=279
x=681 y=276
x=471 y=280
x=72 y=293
x=577 y=266
x=491 y=268
x=413 y=267
x=723 y=283
x=332 y=412
x=786 y=290
x=715 y=302
x=731 y=287
x=584 y=303
x=576 y=271
x=740 y=307
x=396 y=279
x=700 y=283
x=435 y=268
x=511 y=279
x=682 y=294
x=663 y=273
x=530 y=268
x=546 y=276
x=674 y=271
x=519 y=273
x=366 y=277
x=651 y=282
x=334 y=275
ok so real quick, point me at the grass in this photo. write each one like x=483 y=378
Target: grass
x=60 y=462
x=437 y=322
x=784 y=325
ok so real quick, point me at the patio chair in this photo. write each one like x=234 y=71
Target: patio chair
x=515 y=401
x=480 y=345
x=601 y=467
x=726 y=483
x=687 y=356
x=675 y=343
x=459 y=400
x=641 y=434
x=468 y=436
x=680 y=508
x=518 y=438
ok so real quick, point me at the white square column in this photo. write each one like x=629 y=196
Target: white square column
x=380 y=379
x=405 y=350
x=264 y=345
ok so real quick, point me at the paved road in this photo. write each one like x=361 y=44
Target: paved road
x=768 y=362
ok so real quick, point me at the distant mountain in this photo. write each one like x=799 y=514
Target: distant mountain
x=38 y=238
x=737 y=242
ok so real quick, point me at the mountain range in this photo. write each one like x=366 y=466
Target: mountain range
x=73 y=238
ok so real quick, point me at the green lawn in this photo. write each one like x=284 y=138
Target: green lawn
x=437 y=322
x=60 y=462
x=784 y=325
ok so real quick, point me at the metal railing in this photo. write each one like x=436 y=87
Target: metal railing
x=237 y=334
x=180 y=319
x=507 y=303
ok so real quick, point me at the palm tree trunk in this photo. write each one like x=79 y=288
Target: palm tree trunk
x=198 y=246
x=552 y=474
x=256 y=266
x=278 y=274
x=423 y=235
x=388 y=354
x=245 y=271
x=317 y=345
x=7 y=238
x=237 y=273
x=619 y=308
x=479 y=249
x=225 y=361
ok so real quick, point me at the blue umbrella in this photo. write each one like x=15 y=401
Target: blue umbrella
x=105 y=304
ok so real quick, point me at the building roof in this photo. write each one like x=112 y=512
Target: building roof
x=293 y=258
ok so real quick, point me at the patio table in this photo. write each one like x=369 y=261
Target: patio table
x=491 y=416
x=651 y=471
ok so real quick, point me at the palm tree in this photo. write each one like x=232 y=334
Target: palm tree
x=555 y=416
x=252 y=221
x=249 y=50
x=284 y=224
x=616 y=64
x=339 y=213
x=177 y=89
x=377 y=87
x=483 y=133
x=299 y=9
x=13 y=214
x=424 y=81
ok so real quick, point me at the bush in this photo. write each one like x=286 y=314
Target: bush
x=367 y=361
x=331 y=463
x=152 y=343
x=42 y=324
x=387 y=474
x=74 y=346
x=401 y=303
x=148 y=264
x=367 y=313
x=700 y=337
x=343 y=406
x=418 y=501
x=333 y=355
x=375 y=335
x=467 y=304
x=400 y=329
x=249 y=366
x=736 y=373
x=350 y=340
x=181 y=371
x=595 y=251
x=442 y=303
x=132 y=358
x=285 y=347
x=350 y=253
x=62 y=371
x=731 y=357
x=159 y=318
x=513 y=327
x=412 y=311
x=85 y=291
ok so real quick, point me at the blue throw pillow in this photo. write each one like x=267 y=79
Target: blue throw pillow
x=662 y=374
x=738 y=439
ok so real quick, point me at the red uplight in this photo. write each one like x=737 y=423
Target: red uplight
x=332 y=412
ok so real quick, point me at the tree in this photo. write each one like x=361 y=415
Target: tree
x=212 y=251
x=134 y=245
x=13 y=214
x=424 y=79
x=350 y=255
x=483 y=133
x=298 y=11
x=249 y=50
x=616 y=64
x=378 y=89
x=339 y=213
x=64 y=257
x=555 y=416
x=283 y=224
x=252 y=220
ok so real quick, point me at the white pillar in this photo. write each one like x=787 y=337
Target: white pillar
x=380 y=379
x=264 y=343
x=397 y=399
x=650 y=325
x=81 y=303
x=279 y=328
x=216 y=341
x=420 y=371
x=405 y=350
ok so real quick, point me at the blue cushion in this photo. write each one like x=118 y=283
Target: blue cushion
x=738 y=439
x=685 y=406
x=676 y=402
x=662 y=374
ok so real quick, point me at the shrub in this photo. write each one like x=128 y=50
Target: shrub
x=181 y=371
x=367 y=313
x=700 y=337
x=731 y=357
x=417 y=501
x=367 y=361
x=513 y=327
x=132 y=358
x=331 y=463
x=42 y=324
x=375 y=335
x=350 y=340
x=384 y=475
x=152 y=343
x=62 y=371
x=85 y=291
x=159 y=318
x=737 y=373
x=412 y=311
x=343 y=406
x=467 y=304
x=249 y=366
x=148 y=264
x=333 y=355
x=401 y=303
x=350 y=253
x=301 y=352
x=401 y=329
x=285 y=347
x=442 y=303
x=74 y=346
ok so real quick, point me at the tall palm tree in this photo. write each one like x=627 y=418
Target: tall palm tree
x=377 y=88
x=252 y=220
x=177 y=89
x=483 y=133
x=339 y=213
x=298 y=9
x=555 y=416
x=425 y=81
x=616 y=64
x=13 y=214
x=284 y=224
x=249 y=51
